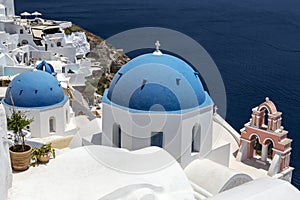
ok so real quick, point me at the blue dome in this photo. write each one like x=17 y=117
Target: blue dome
x=157 y=83
x=44 y=66
x=34 y=89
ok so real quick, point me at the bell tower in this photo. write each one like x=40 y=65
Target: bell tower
x=264 y=139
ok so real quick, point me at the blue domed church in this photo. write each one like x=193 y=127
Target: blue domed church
x=158 y=100
x=40 y=95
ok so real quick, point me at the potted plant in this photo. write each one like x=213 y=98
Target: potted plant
x=42 y=154
x=20 y=153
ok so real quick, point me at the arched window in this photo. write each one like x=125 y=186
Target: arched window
x=196 y=138
x=52 y=124
x=24 y=42
x=116 y=137
x=67 y=116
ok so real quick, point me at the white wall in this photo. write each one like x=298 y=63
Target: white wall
x=41 y=55
x=9 y=4
x=28 y=38
x=2 y=12
x=67 y=51
x=177 y=130
x=220 y=155
x=59 y=115
x=40 y=126
x=203 y=118
x=5 y=172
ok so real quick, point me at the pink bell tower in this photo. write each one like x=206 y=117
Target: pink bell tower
x=264 y=128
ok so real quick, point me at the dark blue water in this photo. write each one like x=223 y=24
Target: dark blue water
x=255 y=44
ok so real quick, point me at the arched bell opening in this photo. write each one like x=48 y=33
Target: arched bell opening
x=255 y=146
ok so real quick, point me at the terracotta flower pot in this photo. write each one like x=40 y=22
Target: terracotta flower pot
x=20 y=161
x=44 y=158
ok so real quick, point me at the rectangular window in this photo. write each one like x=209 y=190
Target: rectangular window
x=157 y=139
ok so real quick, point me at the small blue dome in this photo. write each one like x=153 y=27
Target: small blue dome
x=44 y=66
x=157 y=83
x=34 y=89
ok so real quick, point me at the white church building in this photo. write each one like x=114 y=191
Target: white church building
x=40 y=95
x=158 y=100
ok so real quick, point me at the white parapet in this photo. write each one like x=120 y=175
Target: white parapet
x=5 y=172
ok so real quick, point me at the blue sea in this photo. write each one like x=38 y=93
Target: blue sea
x=254 y=43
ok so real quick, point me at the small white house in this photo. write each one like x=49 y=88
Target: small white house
x=41 y=97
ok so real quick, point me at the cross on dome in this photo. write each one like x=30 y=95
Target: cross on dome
x=157 y=44
x=157 y=52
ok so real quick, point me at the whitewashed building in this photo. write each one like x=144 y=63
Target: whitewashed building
x=41 y=97
x=158 y=100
